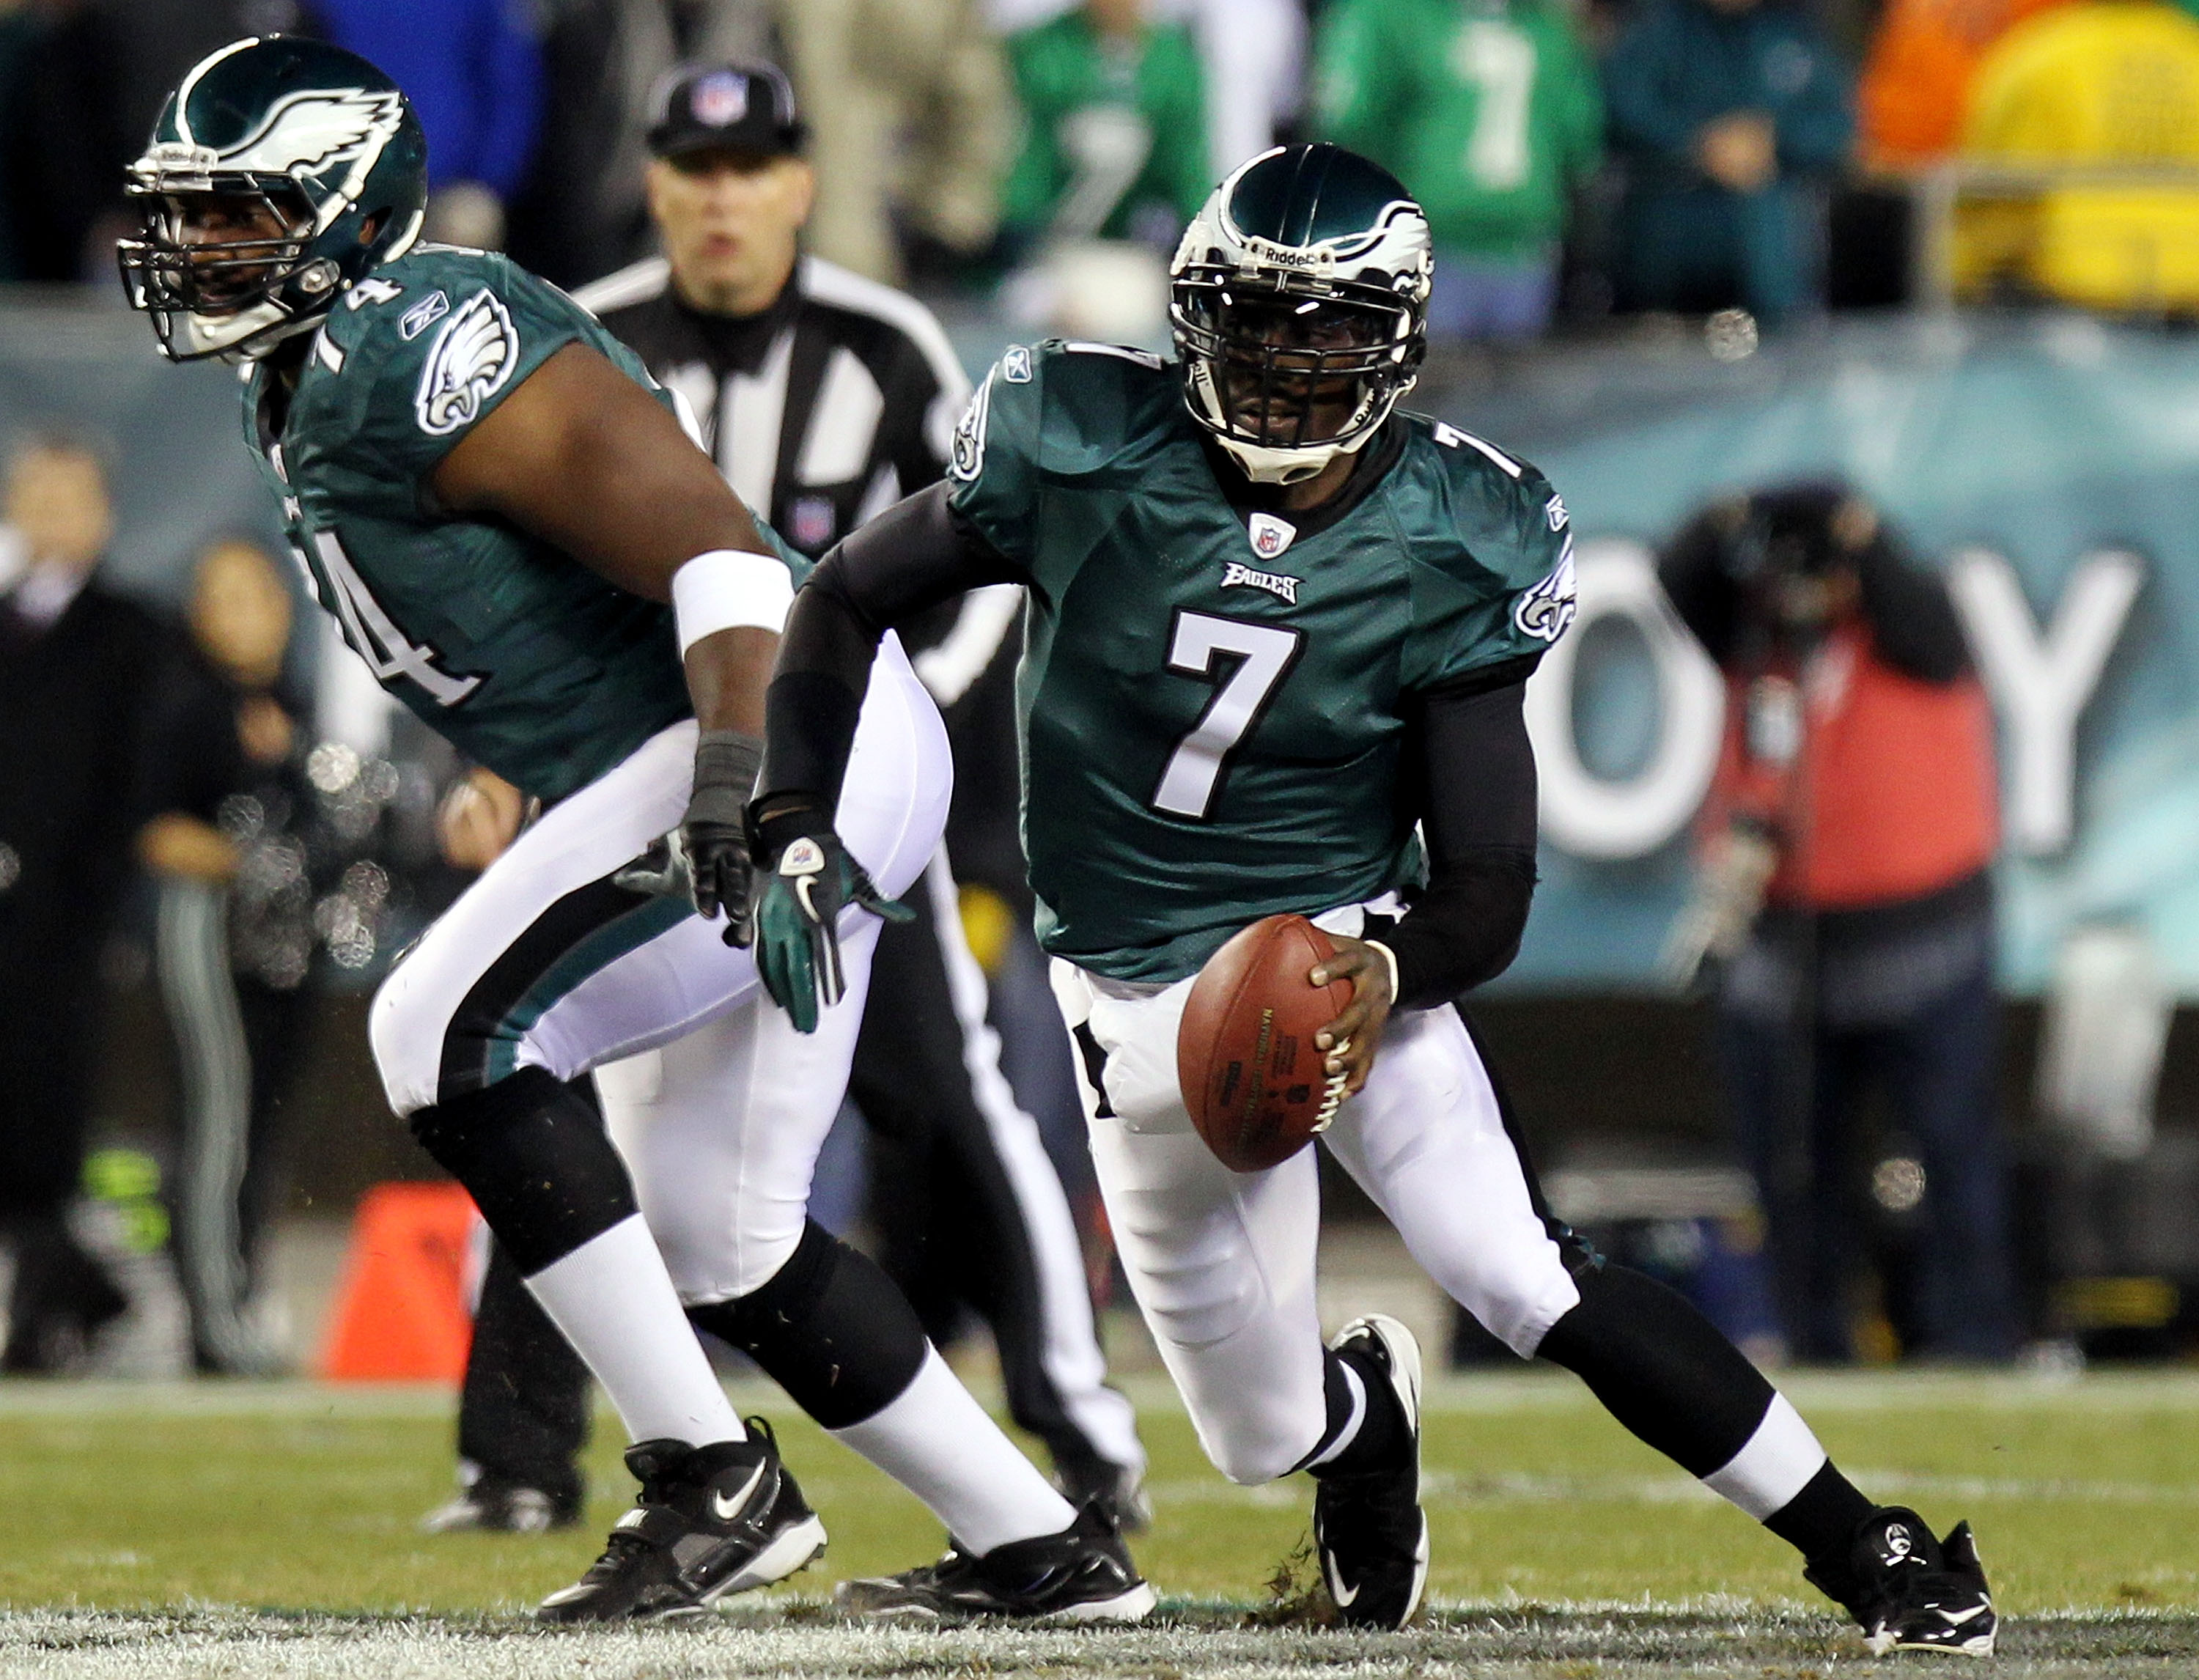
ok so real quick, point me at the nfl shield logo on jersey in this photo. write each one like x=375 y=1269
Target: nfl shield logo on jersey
x=1270 y=535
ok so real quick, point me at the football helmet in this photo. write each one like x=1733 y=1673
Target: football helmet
x=279 y=172
x=1298 y=301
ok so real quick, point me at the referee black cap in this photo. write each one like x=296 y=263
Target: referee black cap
x=730 y=107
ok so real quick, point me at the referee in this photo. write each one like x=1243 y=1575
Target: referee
x=825 y=398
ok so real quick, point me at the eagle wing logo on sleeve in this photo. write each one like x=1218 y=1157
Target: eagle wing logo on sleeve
x=968 y=458
x=473 y=357
x=1544 y=611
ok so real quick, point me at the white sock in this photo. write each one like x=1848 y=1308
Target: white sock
x=1775 y=1464
x=613 y=1300
x=936 y=1442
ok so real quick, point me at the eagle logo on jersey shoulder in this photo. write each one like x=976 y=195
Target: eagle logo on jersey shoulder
x=967 y=459
x=1544 y=611
x=473 y=357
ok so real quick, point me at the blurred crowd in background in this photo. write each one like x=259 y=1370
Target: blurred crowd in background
x=1758 y=163
x=1574 y=159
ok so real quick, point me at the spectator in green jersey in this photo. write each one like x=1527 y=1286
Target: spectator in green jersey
x=1731 y=114
x=1115 y=139
x=1489 y=111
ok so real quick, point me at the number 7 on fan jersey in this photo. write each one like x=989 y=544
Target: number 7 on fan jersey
x=1266 y=653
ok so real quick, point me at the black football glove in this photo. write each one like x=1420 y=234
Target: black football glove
x=803 y=879
x=706 y=858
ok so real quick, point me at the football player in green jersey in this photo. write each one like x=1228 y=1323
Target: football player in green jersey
x=503 y=511
x=1279 y=633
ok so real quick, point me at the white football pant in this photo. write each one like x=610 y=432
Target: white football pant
x=1222 y=1262
x=544 y=962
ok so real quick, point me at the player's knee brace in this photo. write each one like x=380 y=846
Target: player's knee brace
x=829 y=1328
x=535 y=1159
x=1659 y=1367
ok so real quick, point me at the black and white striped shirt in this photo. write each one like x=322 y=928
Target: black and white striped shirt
x=822 y=411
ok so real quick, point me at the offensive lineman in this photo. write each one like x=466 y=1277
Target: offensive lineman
x=825 y=395
x=503 y=511
x=1274 y=625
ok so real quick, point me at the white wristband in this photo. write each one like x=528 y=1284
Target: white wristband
x=729 y=590
x=1390 y=957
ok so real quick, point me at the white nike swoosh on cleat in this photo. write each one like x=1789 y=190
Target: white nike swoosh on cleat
x=1956 y=1618
x=1344 y=1600
x=726 y=1509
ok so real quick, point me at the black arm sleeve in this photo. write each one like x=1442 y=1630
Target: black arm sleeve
x=1912 y=616
x=911 y=556
x=1478 y=813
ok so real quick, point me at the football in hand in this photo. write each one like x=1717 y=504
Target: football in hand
x=1251 y=1074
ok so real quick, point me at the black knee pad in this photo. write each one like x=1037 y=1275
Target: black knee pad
x=1659 y=1367
x=533 y=1155
x=829 y=1328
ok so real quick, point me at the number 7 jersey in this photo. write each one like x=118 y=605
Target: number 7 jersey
x=527 y=660
x=1214 y=699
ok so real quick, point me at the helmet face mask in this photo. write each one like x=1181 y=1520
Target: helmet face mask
x=280 y=172
x=215 y=253
x=1285 y=370
x=1298 y=334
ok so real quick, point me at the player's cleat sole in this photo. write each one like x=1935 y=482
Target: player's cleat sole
x=1082 y=1577
x=1909 y=1592
x=710 y=1522
x=863 y=1599
x=1369 y=1531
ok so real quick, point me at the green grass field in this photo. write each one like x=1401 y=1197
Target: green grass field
x=1557 y=1538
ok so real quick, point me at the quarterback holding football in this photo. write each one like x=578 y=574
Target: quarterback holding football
x=1279 y=634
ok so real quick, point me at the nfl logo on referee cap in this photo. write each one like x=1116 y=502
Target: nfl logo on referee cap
x=721 y=98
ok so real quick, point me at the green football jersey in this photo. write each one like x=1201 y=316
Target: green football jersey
x=529 y=662
x=1213 y=700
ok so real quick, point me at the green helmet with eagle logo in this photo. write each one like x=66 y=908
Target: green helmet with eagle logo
x=280 y=172
x=1299 y=303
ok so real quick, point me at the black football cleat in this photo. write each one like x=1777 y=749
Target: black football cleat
x=1082 y=1576
x=710 y=1522
x=1368 y=1526
x=493 y=1505
x=1909 y=1592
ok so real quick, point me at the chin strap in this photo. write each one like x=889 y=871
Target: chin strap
x=1265 y=464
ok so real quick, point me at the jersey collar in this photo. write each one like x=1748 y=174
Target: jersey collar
x=1370 y=467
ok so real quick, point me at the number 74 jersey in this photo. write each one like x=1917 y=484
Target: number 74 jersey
x=526 y=660
x=1215 y=699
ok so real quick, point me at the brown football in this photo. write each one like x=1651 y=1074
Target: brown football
x=1244 y=1055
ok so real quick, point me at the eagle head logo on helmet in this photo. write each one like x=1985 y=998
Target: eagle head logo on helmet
x=279 y=172
x=1299 y=303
